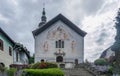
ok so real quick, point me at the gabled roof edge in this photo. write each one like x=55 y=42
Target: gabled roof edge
x=7 y=36
x=63 y=19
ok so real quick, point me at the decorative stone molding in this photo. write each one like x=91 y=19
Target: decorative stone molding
x=59 y=53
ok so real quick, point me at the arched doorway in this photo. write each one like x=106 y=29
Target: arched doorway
x=76 y=61
x=42 y=60
x=59 y=59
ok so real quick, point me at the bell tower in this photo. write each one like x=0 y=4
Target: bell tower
x=43 y=18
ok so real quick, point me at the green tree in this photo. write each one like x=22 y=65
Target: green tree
x=116 y=46
x=31 y=59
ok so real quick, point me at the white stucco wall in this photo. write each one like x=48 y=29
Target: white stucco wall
x=72 y=50
x=22 y=58
x=4 y=55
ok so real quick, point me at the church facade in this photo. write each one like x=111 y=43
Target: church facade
x=58 y=40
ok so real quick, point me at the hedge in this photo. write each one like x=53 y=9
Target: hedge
x=110 y=70
x=11 y=72
x=43 y=72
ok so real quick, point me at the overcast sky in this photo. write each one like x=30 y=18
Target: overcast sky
x=18 y=18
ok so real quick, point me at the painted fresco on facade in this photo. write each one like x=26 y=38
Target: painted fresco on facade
x=58 y=39
x=58 y=33
x=45 y=46
x=73 y=45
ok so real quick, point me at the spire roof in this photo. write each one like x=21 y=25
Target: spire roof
x=43 y=18
x=43 y=13
x=64 y=20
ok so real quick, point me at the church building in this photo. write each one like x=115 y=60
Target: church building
x=58 y=40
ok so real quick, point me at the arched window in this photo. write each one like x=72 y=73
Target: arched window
x=1 y=45
x=59 y=44
x=56 y=44
x=59 y=59
x=62 y=44
x=42 y=60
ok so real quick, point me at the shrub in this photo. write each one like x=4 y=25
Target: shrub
x=11 y=72
x=43 y=65
x=51 y=65
x=19 y=66
x=30 y=66
x=35 y=66
x=100 y=61
x=1 y=68
x=43 y=72
x=110 y=69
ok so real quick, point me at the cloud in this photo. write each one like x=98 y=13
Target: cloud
x=7 y=9
x=101 y=39
x=101 y=31
x=20 y=17
x=91 y=6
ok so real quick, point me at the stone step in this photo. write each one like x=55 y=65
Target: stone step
x=76 y=72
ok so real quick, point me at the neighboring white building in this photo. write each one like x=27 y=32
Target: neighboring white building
x=58 y=40
x=21 y=54
x=11 y=52
x=6 y=49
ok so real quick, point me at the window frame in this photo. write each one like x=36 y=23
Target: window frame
x=56 y=44
x=17 y=56
x=1 y=45
x=59 y=44
x=62 y=44
x=10 y=51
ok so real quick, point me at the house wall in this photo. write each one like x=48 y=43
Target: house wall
x=22 y=58
x=45 y=44
x=4 y=55
x=14 y=59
